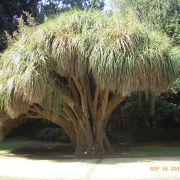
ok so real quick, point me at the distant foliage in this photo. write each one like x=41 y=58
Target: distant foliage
x=52 y=134
x=133 y=122
x=10 y=11
x=163 y=14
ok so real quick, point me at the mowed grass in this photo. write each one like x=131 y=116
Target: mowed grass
x=154 y=150
x=11 y=144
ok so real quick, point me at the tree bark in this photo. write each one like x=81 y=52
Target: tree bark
x=93 y=142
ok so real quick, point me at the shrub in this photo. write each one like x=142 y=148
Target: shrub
x=52 y=134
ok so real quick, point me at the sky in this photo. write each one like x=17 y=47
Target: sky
x=107 y=4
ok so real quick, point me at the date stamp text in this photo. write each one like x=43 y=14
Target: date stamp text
x=164 y=168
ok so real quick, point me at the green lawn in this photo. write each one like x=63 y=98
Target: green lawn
x=154 y=150
x=13 y=143
x=142 y=150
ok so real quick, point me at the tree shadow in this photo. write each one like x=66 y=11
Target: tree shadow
x=64 y=153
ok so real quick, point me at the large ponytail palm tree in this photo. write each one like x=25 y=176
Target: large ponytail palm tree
x=76 y=68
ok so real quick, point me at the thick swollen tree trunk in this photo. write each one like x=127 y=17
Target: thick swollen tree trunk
x=90 y=140
x=85 y=111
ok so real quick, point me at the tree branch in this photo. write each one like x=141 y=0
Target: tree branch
x=113 y=103
x=95 y=103
x=105 y=98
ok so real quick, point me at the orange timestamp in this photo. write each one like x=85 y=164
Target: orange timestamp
x=164 y=168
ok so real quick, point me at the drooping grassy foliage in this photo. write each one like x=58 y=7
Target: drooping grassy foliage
x=118 y=52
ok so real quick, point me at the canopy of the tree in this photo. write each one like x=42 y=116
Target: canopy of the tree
x=116 y=52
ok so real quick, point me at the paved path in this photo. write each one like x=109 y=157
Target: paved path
x=106 y=168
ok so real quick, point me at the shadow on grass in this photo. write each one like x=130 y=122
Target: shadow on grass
x=21 y=147
x=10 y=144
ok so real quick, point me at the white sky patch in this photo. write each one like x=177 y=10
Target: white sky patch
x=108 y=5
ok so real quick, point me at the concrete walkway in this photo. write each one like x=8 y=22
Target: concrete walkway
x=106 y=168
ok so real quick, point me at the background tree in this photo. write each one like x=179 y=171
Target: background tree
x=11 y=10
x=8 y=10
x=81 y=66
x=161 y=14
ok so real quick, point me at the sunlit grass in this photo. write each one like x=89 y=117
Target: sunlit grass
x=154 y=150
